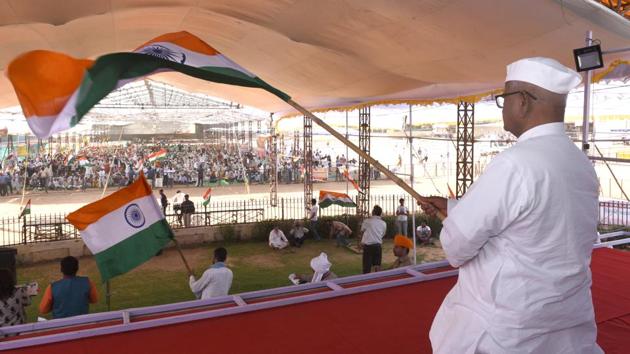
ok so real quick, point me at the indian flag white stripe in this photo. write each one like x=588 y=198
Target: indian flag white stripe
x=124 y=229
x=117 y=228
x=327 y=198
x=200 y=60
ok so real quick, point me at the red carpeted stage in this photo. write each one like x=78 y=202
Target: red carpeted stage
x=387 y=312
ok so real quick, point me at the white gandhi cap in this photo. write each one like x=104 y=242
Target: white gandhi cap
x=321 y=263
x=544 y=72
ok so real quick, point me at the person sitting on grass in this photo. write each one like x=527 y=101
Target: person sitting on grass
x=14 y=299
x=71 y=295
x=423 y=234
x=321 y=271
x=341 y=232
x=402 y=245
x=298 y=231
x=277 y=240
x=216 y=280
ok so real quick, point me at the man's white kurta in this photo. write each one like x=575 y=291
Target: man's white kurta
x=215 y=281
x=522 y=237
x=277 y=239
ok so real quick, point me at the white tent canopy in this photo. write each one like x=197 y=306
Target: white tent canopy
x=325 y=53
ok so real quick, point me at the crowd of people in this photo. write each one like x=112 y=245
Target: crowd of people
x=184 y=164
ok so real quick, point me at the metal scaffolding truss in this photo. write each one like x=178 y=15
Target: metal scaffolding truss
x=273 y=180
x=296 y=143
x=465 y=146
x=363 y=197
x=308 y=162
x=148 y=100
x=153 y=94
x=249 y=133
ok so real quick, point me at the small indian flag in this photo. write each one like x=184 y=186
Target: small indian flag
x=346 y=174
x=328 y=198
x=206 y=197
x=124 y=229
x=158 y=155
x=26 y=210
x=69 y=160
x=56 y=90
x=83 y=161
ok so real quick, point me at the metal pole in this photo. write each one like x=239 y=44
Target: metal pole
x=413 y=205
x=347 y=157
x=587 y=100
x=361 y=153
x=108 y=296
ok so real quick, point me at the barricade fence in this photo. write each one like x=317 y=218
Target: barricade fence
x=54 y=227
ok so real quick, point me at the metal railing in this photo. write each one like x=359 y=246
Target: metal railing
x=55 y=227
x=614 y=213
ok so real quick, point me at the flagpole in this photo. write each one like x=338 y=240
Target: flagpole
x=110 y=165
x=181 y=254
x=347 y=157
x=411 y=176
x=363 y=154
x=108 y=294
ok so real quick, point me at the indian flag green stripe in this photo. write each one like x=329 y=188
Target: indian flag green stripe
x=114 y=70
x=134 y=250
x=328 y=202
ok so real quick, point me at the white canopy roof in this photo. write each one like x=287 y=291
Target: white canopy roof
x=325 y=53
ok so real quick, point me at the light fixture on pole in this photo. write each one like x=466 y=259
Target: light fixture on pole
x=588 y=58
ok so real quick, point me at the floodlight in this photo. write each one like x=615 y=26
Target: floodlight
x=588 y=58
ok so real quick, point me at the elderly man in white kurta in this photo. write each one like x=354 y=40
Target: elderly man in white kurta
x=522 y=235
x=277 y=239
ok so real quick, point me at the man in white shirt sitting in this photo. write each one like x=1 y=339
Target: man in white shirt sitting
x=423 y=233
x=321 y=271
x=216 y=280
x=277 y=240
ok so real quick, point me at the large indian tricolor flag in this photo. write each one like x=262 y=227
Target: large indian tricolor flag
x=56 y=90
x=124 y=229
x=158 y=155
x=328 y=198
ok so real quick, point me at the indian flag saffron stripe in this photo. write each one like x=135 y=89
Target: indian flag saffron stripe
x=327 y=198
x=206 y=196
x=56 y=90
x=158 y=155
x=124 y=229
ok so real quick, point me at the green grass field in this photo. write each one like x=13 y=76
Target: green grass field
x=163 y=279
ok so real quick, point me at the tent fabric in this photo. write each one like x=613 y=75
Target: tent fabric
x=390 y=320
x=329 y=53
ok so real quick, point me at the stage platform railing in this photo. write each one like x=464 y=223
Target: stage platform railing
x=106 y=323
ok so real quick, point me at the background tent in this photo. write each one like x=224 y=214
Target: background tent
x=328 y=53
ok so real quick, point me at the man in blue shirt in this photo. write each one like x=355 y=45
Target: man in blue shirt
x=71 y=295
